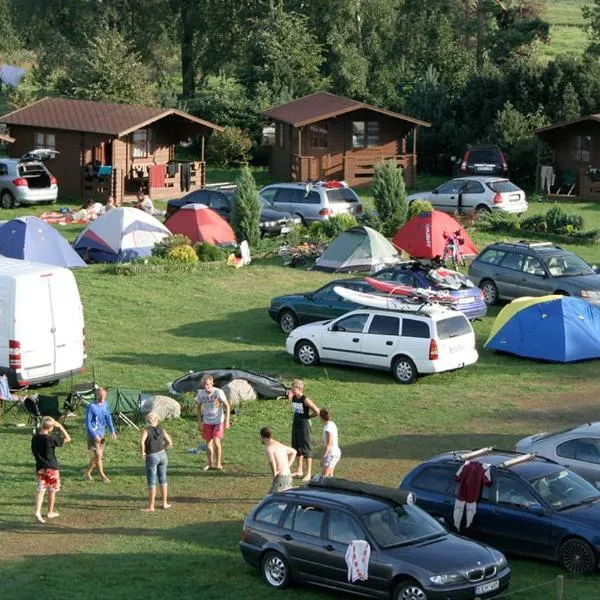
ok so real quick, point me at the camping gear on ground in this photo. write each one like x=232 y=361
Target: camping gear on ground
x=41 y=325
x=358 y=249
x=410 y=293
x=125 y=406
x=553 y=328
x=30 y=238
x=300 y=255
x=121 y=234
x=165 y=407
x=201 y=224
x=265 y=386
x=423 y=235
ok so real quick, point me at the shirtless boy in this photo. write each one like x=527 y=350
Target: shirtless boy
x=280 y=459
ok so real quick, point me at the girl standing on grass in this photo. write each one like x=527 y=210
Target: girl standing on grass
x=331 y=451
x=154 y=442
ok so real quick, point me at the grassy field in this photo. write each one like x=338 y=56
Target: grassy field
x=145 y=330
x=566 y=27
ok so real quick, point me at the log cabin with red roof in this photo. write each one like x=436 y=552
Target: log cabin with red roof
x=111 y=149
x=323 y=137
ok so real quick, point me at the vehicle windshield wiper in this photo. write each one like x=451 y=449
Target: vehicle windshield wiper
x=418 y=540
x=581 y=503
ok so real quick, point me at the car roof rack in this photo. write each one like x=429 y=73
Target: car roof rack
x=517 y=460
x=363 y=489
x=530 y=244
x=474 y=453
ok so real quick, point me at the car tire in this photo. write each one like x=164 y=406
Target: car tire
x=409 y=590
x=302 y=219
x=561 y=293
x=288 y=321
x=275 y=570
x=404 y=370
x=482 y=210
x=7 y=200
x=577 y=556
x=490 y=292
x=306 y=353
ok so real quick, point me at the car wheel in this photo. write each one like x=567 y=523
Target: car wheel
x=306 y=353
x=302 y=219
x=561 y=293
x=482 y=210
x=7 y=200
x=404 y=370
x=409 y=590
x=577 y=556
x=490 y=292
x=287 y=321
x=275 y=570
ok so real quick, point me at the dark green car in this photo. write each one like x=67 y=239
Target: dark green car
x=321 y=305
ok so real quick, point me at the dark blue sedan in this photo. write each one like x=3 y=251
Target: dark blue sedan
x=468 y=299
x=535 y=507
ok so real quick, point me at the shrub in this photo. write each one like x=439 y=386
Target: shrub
x=183 y=254
x=389 y=195
x=332 y=227
x=208 y=253
x=499 y=221
x=245 y=214
x=167 y=244
x=558 y=220
x=371 y=219
x=535 y=224
x=229 y=147
x=416 y=207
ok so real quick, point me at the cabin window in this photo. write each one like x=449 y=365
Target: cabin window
x=140 y=143
x=317 y=135
x=365 y=134
x=581 y=146
x=268 y=135
x=44 y=140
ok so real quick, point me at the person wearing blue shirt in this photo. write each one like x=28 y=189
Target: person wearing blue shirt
x=97 y=419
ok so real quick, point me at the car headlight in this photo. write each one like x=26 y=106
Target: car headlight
x=589 y=293
x=447 y=578
x=269 y=223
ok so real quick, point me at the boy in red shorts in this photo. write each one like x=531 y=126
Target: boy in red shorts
x=212 y=409
x=46 y=465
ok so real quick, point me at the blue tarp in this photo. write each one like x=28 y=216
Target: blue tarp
x=30 y=238
x=553 y=328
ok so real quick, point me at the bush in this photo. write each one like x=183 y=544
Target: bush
x=371 y=219
x=208 y=253
x=332 y=227
x=245 y=214
x=229 y=147
x=558 y=221
x=163 y=248
x=183 y=254
x=499 y=221
x=389 y=195
x=416 y=207
x=535 y=224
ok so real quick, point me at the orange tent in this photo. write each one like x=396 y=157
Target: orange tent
x=201 y=224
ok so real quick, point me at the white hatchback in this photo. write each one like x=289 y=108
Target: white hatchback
x=411 y=342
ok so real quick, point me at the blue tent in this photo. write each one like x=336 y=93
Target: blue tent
x=553 y=328
x=30 y=238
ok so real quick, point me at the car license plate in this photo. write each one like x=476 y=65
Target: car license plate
x=285 y=229
x=455 y=349
x=514 y=198
x=484 y=167
x=484 y=588
x=467 y=300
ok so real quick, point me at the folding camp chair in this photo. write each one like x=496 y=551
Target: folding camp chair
x=81 y=393
x=124 y=405
x=39 y=406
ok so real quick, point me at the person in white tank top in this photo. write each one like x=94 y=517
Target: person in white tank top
x=331 y=447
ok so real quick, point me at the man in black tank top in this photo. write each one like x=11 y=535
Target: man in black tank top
x=304 y=409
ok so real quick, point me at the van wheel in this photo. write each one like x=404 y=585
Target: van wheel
x=490 y=292
x=275 y=570
x=306 y=353
x=404 y=370
x=7 y=200
x=409 y=590
x=287 y=321
x=576 y=556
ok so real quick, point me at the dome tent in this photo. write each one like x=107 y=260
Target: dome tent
x=201 y=224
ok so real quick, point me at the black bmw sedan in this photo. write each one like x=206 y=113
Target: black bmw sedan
x=303 y=536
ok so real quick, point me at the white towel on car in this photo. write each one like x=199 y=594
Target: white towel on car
x=357 y=560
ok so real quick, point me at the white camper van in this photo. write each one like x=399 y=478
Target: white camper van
x=42 y=335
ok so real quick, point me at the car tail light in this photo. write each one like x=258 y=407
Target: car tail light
x=20 y=182
x=14 y=354
x=244 y=534
x=359 y=209
x=433 y=350
x=324 y=212
x=463 y=165
x=504 y=163
x=498 y=198
x=53 y=180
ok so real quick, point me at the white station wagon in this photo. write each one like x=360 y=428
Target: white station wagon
x=411 y=342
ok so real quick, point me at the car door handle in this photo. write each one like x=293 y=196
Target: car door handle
x=287 y=537
x=388 y=343
x=329 y=548
x=356 y=339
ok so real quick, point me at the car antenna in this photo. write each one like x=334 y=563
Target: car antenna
x=475 y=453
x=517 y=460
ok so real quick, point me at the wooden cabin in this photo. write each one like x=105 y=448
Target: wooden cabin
x=111 y=149
x=323 y=136
x=565 y=153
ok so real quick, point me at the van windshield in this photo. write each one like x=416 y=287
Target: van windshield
x=453 y=327
x=341 y=195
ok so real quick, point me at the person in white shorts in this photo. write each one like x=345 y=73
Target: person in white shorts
x=331 y=450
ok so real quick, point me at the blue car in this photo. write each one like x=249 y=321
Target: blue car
x=468 y=299
x=534 y=506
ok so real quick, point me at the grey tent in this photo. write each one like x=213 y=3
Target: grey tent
x=358 y=249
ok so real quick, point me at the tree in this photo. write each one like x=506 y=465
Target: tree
x=229 y=147
x=389 y=196
x=107 y=69
x=245 y=214
x=591 y=14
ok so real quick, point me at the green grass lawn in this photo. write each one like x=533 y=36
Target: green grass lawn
x=147 y=329
x=567 y=34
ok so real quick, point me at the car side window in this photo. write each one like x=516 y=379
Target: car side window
x=218 y=201
x=415 y=329
x=305 y=519
x=584 y=449
x=352 y=324
x=3 y=169
x=511 y=492
x=342 y=528
x=532 y=266
x=491 y=256
x=199 y=197
x=326 y=293
x=384 y=325
x=450 y=187
x=269 y=194
x=295 y=196
x=437 y=479
x=312 y=198
x=513 y=261
x=567 y=449
x=473 y=187
x=271 y=513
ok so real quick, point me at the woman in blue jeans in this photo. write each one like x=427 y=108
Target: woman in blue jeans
x=154 y=443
